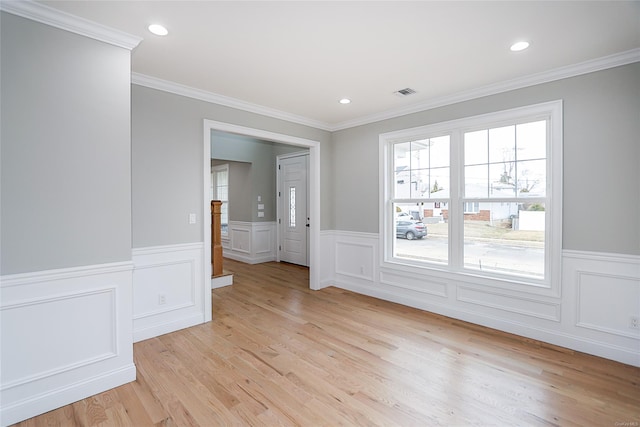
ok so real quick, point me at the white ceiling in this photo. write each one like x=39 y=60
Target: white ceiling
x=302 y=57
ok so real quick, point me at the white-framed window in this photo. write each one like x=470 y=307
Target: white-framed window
x=488 y=191
x=220 y=191
x=471 y=207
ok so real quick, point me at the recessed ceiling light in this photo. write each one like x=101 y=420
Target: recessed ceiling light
x=517 y=47
x=158 y=30
x=345 y=101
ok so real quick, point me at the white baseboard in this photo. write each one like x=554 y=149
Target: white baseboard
x=50 y=400
x=160 y=327
x=247 y=259
x=221 y=281
x=168 y=289
x=599 y=294
x=66 y=335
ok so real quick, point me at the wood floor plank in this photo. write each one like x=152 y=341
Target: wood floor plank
x=151 y=406
x=134 y=407
x=277 y=353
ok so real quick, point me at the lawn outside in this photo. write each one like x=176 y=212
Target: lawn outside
x=484 y=231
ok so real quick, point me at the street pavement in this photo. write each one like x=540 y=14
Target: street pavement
x=518 y=257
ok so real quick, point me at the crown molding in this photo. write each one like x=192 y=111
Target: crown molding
x=44 y=14
x=594 y=65
x=586 y=67
x=47 y=15
x=202 y=95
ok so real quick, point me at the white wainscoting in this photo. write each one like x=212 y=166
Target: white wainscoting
x=599 y=295
x=168 y=289
x=601 y=292
x=250 y=242
x=66 y=335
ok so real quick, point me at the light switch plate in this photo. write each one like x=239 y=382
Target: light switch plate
x=192 y=218
x=260 y=214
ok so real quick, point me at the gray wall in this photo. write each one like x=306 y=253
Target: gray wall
x=240 y=189
x=66 y=157
x=262 y=156
x=65 y=154
x=167 y=147
x=601 y=158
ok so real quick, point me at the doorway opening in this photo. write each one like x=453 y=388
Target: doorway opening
x=313 y=196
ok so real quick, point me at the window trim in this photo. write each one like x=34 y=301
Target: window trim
x=550 y=285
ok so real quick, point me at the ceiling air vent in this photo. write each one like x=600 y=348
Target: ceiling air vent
x=405 y=92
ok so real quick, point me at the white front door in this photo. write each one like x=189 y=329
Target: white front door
x=293 y=220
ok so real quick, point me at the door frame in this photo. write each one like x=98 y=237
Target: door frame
x=314 y=195
x=279 y=212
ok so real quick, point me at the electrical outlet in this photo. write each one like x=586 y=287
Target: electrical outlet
x=162 y=299
x=634 y=322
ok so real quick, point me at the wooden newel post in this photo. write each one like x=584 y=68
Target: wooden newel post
x=216 y=239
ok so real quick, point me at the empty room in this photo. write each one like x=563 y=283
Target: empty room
x=319 y=213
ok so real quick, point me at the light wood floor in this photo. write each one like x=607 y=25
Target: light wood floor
x=279 y=354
